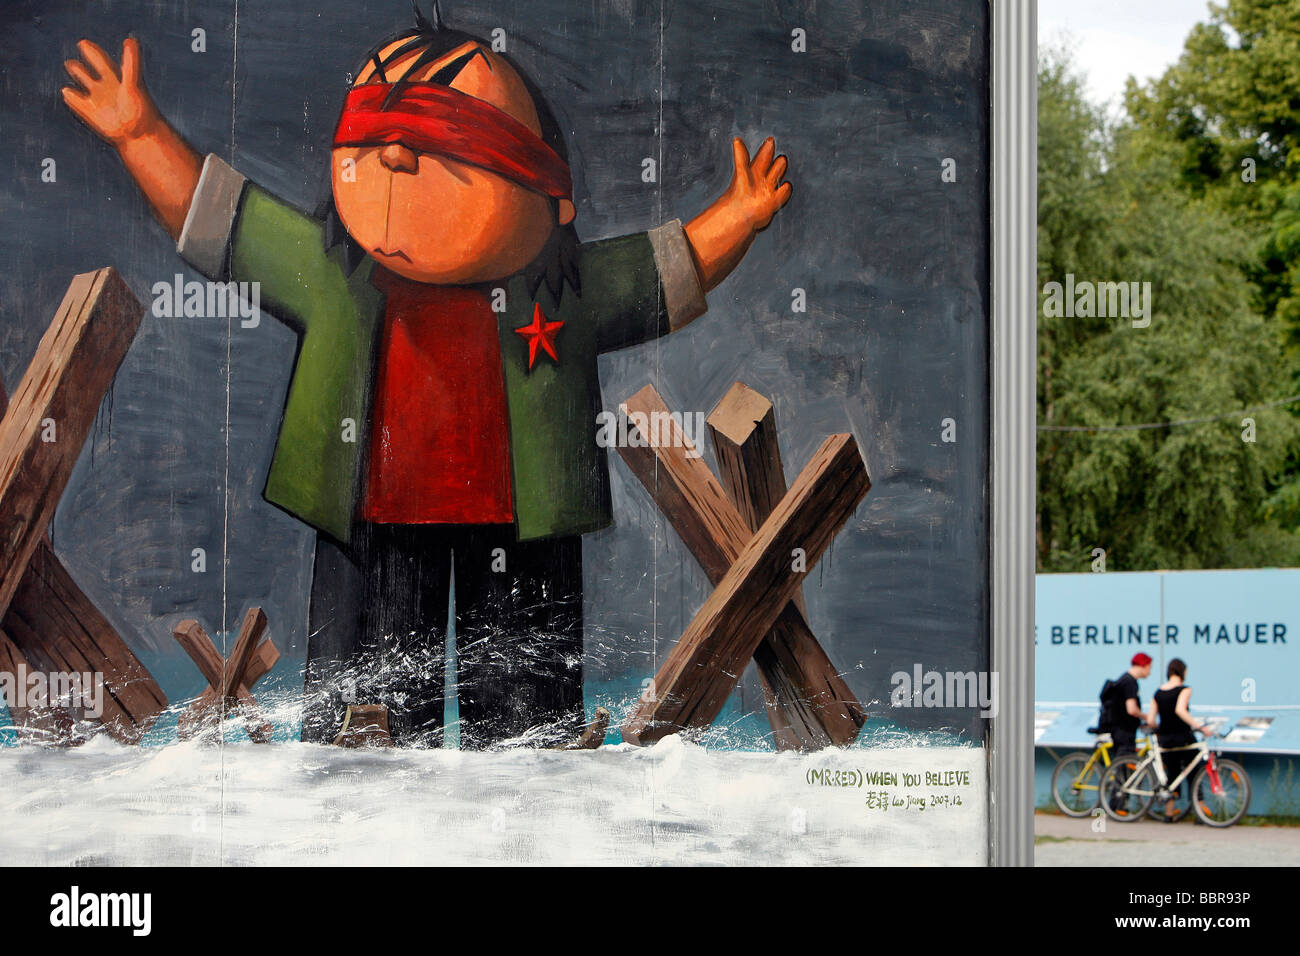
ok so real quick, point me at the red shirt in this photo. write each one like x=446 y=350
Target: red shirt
x=439 y=438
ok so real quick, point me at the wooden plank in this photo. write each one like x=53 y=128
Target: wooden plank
x=809 y=704
x=63 y=627
x=693 y=682
x=250 y=635
x=40 y=725
x=683 y=487
x=192 y=719
x=30 y=723
x=708 y=523
x=55 y=625
x=208 y=709
x=743 y=429
x=12 y=661
x=73 y=367
x=264 y=658
x=190 y=635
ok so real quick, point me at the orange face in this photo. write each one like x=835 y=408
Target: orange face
x=434 y=219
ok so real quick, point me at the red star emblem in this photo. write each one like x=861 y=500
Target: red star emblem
x=540 y=333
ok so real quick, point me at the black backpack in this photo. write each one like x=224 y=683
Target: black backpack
x=1106 y=716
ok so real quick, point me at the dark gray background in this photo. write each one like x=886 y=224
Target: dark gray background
x=895 y=264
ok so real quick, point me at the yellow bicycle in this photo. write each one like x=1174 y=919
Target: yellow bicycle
x=1076 y=781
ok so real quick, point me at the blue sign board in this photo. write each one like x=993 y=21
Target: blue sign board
x=1237 y=631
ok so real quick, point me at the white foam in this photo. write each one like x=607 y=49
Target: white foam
x=293 y=803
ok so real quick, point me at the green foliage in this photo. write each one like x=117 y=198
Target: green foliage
x=1234 y=98
x=1133 y=203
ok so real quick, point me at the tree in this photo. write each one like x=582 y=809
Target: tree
x=1115 y=205
x=1227 y=116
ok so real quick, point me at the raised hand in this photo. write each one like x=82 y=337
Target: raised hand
x=721 y=235
x=756 y=191
x=117 y=107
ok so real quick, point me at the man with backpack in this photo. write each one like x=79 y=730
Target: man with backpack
x=1122 y=707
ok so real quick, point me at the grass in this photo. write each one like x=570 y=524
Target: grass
x=1250 y=820
x=1269 y=820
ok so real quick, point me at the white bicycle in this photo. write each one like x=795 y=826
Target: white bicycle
x=1220 y=792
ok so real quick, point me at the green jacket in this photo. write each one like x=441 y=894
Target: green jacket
x=634 y=288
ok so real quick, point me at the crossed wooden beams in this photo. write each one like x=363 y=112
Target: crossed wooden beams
x=229 y=679
x=46 y=622
x=754 y=540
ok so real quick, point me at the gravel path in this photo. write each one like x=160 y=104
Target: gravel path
x=1063 y=841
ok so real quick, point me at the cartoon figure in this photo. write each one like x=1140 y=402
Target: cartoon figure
x=442 y=411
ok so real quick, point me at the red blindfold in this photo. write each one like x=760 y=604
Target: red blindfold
x=429 y=118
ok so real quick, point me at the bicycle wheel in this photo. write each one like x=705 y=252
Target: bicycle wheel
x=1075 y=784
x=1125 y=794
x=1229 y=805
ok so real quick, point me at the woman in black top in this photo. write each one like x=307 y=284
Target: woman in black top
x=1176 y=726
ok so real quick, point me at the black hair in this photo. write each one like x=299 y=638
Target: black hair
x=558 y=260
x=1176 y=669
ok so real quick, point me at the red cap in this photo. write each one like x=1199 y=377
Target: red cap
x=1140 y=660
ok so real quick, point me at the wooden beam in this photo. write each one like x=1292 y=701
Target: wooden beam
x=190 y=635
x=192 y=719
x=59 y=626
x=228 y=684
x=73 y=367
x=682 y=486
x=810 y=706
x=59 y=629
x=250 y=635
x=712 y=529
x=264 y=658
x=693 y=683
x=743 y=429
x=42 y=725
x=27 y=722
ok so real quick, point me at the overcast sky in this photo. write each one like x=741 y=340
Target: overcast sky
x=1113 y=39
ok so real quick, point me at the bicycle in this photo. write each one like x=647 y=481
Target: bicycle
x=1220 y=791
x=1076 y=781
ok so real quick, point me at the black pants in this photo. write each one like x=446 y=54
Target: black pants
x=378 y=629
x=1176 y=761
x=1125 y=742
